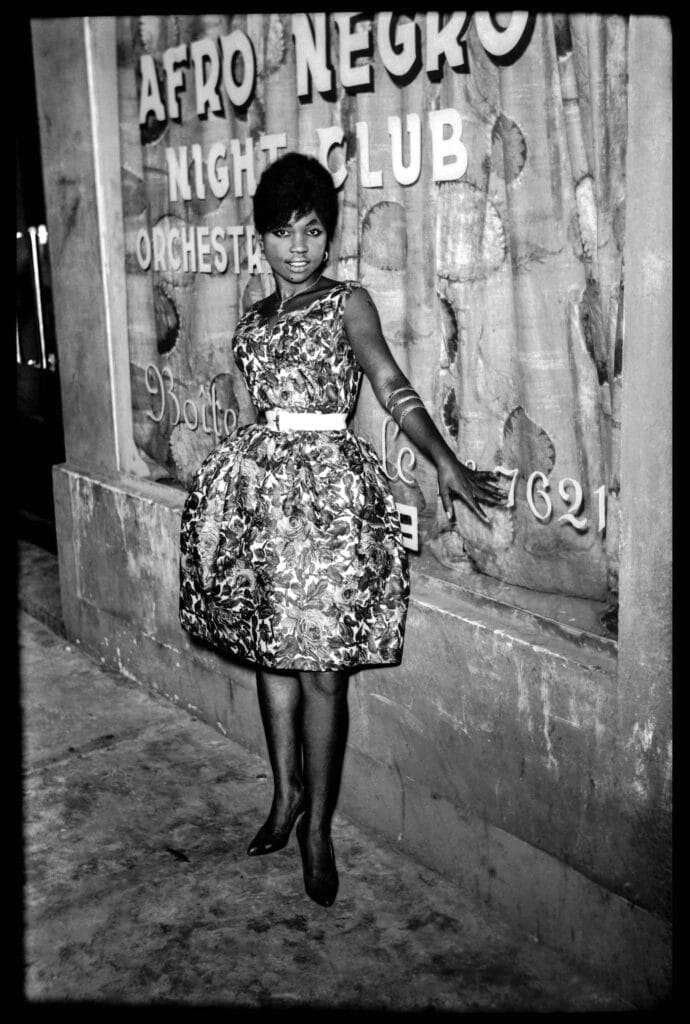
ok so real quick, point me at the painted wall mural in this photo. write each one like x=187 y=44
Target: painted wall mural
x=480 y=161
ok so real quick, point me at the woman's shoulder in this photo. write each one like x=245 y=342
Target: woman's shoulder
x=359 y=299
x=353 y=287
x=330 y=285
x=347 y=288
x=333 y=291
x=352 y=298
x=349 y=284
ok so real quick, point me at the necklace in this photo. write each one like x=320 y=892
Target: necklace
x=304 y=288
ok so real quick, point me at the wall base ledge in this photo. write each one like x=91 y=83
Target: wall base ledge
x=436 y=593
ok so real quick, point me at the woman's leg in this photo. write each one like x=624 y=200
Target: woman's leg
x=280 y=698
x=324 y=735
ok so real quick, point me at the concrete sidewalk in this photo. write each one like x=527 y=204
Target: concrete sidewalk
x=138 y=889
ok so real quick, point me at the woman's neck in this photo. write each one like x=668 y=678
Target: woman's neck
x=284 y=298
x=286 y=290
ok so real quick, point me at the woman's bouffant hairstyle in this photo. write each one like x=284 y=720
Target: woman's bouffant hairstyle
x=292 y=186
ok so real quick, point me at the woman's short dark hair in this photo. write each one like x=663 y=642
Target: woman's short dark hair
x=292 y=186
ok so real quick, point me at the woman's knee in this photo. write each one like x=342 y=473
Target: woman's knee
x=326 y=684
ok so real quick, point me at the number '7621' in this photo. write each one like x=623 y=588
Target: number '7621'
x=541 y=505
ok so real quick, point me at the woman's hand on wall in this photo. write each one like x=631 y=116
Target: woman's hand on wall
x=474 y=487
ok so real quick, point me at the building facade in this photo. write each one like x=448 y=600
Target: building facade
x=505 y=187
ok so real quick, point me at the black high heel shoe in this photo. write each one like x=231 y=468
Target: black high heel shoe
x=271 y=840
x=321 y=888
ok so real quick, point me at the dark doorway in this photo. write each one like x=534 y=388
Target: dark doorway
x=39 y=440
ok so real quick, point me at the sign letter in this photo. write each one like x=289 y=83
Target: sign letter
x=311 y=54
x=328 y=138
x=353 y=76
x=501 y=42
x=406 y=175
x=369 y=179
x=451 y=147
x=235 y=43
x=150 y=101
x=399 y=57
x=205 y=86
x=174 y=59
x=444 y=41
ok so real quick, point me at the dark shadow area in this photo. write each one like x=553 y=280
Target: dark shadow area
x=39 y=439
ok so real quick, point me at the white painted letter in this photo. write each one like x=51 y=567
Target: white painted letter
x=328 y=138
x=238 y=43
x=406 y=175
x=206 y=86
x=368 y=179
x=575 y=505
x=150 y=101
x=512 y=475
x=235 y=230
x=204 y=249
x=352 y=44
x=174 y=262
x=178 y=173
x=188 y=250
x=531 y=487
x=174 y=77
x=220 y=260
x=198 y=162
x=253 y=254
x=601 y=507
x=499 y=42
x=157 y=389
x=311 y=54
x=445 y=41
x=451 y=147
x=407 y=35
x=219 y=180
x=158 y=248
x=143 y=251
x=272 y=143
x=242 y=163
x=192 y=425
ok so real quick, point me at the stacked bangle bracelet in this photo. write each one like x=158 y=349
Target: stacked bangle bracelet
x=406 y=396
x=419 y=404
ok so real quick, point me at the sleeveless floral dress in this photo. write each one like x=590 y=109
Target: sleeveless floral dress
x=291 y=555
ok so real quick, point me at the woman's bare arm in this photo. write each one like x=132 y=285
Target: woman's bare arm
x=363 y=328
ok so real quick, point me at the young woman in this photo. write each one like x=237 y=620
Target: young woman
x=291 y=553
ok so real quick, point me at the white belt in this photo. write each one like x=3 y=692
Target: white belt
x=281 y=419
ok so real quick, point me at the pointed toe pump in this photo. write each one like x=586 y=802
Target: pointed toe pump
x=321 y=888
x=271 y=840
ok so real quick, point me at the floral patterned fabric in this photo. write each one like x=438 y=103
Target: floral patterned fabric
x=291 y=552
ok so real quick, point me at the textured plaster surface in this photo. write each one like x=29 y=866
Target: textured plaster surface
x=542 y=897
x=515 y=726
x=138 y=889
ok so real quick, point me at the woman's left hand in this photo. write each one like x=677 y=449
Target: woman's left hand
x=475 y=487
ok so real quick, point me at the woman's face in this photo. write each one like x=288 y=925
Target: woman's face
x=295 y=250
